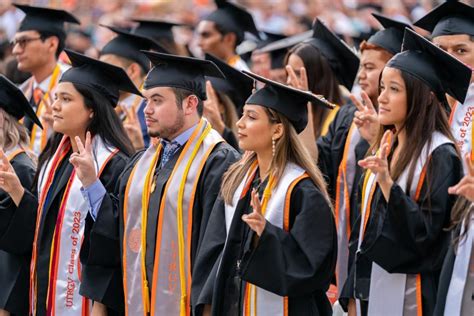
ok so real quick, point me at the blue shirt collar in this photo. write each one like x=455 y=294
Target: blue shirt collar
x=182 y=138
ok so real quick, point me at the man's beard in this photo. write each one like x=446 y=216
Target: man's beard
x=168 y=132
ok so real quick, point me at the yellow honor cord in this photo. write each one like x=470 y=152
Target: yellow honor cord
x=179 y=215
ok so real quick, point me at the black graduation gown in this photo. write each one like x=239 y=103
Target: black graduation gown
x=403 y=236
x=331 y=150
x=230 y=138
x=15 y=262
x=19 y=222
x=446 y=274
x=107 y=231
x=299 y=265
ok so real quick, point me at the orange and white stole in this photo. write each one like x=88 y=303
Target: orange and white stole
x=344 y=185
x=276 y=209
x=38 y=136
x=65 y=270
x=396 y=292
x=461 y=124
x=171 y=284
x=13 y=152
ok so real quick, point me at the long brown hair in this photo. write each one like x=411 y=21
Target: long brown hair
x=461 y=214
x=425 y=115
x=321 y=80
x=13 y=133
x=288 y=148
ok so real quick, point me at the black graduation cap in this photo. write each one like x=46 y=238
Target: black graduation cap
x=14 y=102
x=103 y=77
x=180 y=72
x=279 y=48
x=269 y=37
x=45 y=19
x=236 y=85
x=233 y=18
x=286 y=100
x=391 y=37
x=129 y=46
x=155 y=29
x=449 y=18
x=342 y=59
x=439 y=70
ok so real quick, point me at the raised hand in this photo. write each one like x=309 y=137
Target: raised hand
x=465 y=187
x=134 y=130
x=298 y=82
x=378 y=164
x=366 y=118
x=211 y=109
x=9 y=181
x=83 y=161
x=255 y=220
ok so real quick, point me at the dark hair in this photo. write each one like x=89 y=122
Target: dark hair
x=460 y=215
x=239 y=36
x=182 y=94
x=321 y=80
x=61 y=40
x=104 y=123
x=421 y=103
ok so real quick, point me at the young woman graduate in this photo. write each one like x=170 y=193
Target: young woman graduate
x=273 y=216
x=456 y=284
x=14 y=141
x=404 y=200
x=51 y=217
x=326 y=66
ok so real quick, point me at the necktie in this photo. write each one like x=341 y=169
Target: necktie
x=169 y=150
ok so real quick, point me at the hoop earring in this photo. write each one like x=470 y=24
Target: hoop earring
x=273 y=147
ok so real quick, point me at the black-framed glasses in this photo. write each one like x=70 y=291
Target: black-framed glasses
x=22 y=41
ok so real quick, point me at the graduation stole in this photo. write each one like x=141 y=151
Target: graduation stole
x=65 y=270
x=461 y=124
x=396 y=292
x=276 y=209
x=461 y=270
x=344 y=185
x=39 y=137
x=13 y=152
x=171 y=284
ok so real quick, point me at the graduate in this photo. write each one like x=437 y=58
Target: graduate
x=124 y=51
x=405 y=206
x=14 y=142
x=375 y=53
x=321 y=64
x=220 y=32
x=165 y=195
x=226 y=98
x=271 y=242
x=452 y=29
x=39 y=41
x=456 y=284
x=52 y=217
x=266 y=62
x=161 y=31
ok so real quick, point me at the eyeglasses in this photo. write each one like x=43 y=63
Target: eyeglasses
x=22 y=41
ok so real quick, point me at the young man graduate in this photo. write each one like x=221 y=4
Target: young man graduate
x=37 y=45
x=223 y=30
x=452 y=28
x=166 y=193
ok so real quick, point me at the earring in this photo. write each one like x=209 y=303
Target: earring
x=273 y=147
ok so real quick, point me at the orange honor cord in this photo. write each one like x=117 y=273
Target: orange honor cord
x=161 y=214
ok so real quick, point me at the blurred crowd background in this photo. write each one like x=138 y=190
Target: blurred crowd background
x=351 y=19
